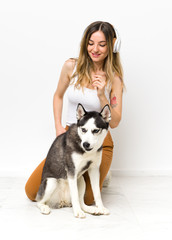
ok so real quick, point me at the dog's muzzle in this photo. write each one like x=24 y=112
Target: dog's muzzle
x=86 y=145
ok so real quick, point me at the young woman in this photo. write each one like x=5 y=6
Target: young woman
x=94 y=80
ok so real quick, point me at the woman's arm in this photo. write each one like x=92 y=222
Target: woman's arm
x=63 y=84
x=115 y=99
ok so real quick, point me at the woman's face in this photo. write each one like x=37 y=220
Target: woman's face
x=97 y=47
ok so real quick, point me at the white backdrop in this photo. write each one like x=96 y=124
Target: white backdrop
x=36 y=37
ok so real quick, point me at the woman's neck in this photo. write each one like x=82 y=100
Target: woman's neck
x=97 y=66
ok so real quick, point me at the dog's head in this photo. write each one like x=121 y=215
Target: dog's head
x=92 y=127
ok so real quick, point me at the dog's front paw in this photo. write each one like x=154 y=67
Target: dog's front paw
x=45 y=209
x=101 y=211
x=79 y=213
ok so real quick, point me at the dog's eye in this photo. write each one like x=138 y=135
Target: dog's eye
x=95 y=131
x=83 y=130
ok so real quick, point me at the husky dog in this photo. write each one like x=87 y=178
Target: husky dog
x=72 y=154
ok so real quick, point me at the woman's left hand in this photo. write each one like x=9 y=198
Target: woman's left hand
x=99 y=82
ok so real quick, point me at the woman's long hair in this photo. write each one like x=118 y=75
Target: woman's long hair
x=84 y=64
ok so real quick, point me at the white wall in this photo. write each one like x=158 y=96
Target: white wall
x=36 y=37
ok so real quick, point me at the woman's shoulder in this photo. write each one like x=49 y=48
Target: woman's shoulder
x=69 y=65
x=117 y=82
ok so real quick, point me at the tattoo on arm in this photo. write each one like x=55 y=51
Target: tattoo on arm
x=113 y=102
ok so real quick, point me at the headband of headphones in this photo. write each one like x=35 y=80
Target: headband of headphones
x=116 y=42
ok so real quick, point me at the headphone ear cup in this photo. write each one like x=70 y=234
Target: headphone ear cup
x=114 y=45
x=117 y=46
x=116 y=42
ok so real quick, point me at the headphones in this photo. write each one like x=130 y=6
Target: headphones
x=116 y=42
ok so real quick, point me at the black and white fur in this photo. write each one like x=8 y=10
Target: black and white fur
x=72 y=154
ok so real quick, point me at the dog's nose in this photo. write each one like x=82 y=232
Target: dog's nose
x=86 y=145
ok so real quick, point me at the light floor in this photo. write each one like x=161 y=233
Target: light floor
x=141 y=208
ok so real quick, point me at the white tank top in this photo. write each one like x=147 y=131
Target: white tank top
x=88 y=98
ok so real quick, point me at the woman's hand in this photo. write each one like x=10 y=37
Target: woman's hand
x=99 y=83
x=60 y=130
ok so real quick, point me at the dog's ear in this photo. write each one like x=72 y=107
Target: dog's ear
x=106 y=113
x=80 y=112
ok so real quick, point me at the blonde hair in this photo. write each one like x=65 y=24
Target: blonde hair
x=84 y=64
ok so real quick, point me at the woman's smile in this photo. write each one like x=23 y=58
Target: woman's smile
x=96 y=55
